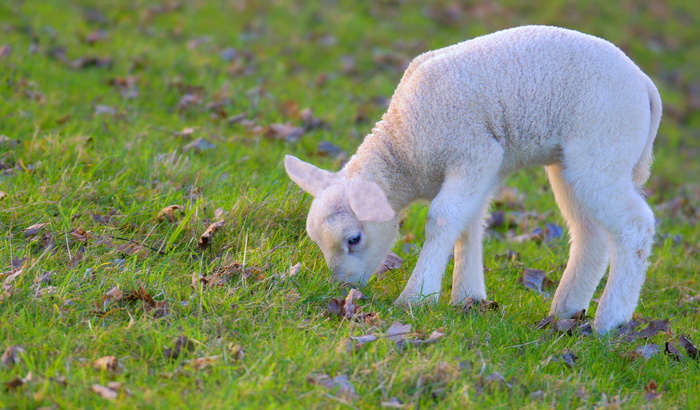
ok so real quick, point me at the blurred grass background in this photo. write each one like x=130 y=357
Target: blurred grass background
x=98 y=103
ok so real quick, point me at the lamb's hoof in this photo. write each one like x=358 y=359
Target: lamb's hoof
x=415 y=300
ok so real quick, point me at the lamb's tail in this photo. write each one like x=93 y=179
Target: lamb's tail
x=641 y=171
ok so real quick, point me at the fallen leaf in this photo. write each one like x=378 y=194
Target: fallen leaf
x=495 y=380
x=202 y=363
x=199 y=145
x=18 y=382
x=113 y=295
x=181 y=345
x=339 y=384
x=628 y=334
x=235 y=351
x=355 y=343
x=205 y=239
x=168 y=213
x=108 y=363
x=671 y=350
x=348 y=308
x=650 y=392
x=81 y=234
x=647 y=351
x=326 y=149
x=293 y=271
x=12 y=355
x=104 y=110
x=5 y=50
x=104 y=392
x=398 y=331
x=392 y=261
x=392 y=403
x=119 y=387
x=91 y=62
x=689 y=347
x=157 y=308
x=3 y=195
x=34 y=229
x=186 y=132
x=569 y=358
x=479 y=305
x=434 y=337
x=536 y=279
x=286 y=132
x=225 y=274
x=310 y=122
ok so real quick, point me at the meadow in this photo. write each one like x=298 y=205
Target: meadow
x=153 y=252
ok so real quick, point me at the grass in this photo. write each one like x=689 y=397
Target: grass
x=84 y=153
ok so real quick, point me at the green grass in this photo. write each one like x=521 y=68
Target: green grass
x=111 y=173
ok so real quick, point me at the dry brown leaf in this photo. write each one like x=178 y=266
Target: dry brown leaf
x=339 y=384
x=434 y=337
x=18 y=382
x=355 y=343
x=7 y=286
x=206 y=238
x=628 y=334
x=104 y=392
x=157 y=308
x=392 y=403
x=5 y=50
x=168 y=213
x=108 y=363
x=119 y=387
x=689 y=347
x=81 y=234
x=286 y=132
x=202 y=363
x=398 y=331
x=235 y=351
x=647 y=351
x=348 y=308
x=199 y=145
x=12 y=355
x=671 y=350
x=3 y=195
x=34 y=229
x=186 y=132
x=327 y=149
x=91 y=62
x=181 y=345
x=536 y=280
x=225 y=274
x=650 y=392
x=479 y=305
x=392 y=261
x=293 y=271
x=114 y=295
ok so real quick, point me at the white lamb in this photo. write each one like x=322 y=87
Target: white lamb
x=461 y=120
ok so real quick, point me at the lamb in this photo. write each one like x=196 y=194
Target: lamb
x=466 y=116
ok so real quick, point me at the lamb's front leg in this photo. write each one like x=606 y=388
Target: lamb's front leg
x=468 y=276
x=459 y=202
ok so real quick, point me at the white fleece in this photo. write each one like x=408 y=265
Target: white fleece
x=466 y=116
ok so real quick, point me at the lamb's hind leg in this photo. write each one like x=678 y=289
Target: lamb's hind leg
x=468 y=276
x=614 y=202
x=588 y=256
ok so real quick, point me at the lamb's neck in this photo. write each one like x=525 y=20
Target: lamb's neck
x=376 y=160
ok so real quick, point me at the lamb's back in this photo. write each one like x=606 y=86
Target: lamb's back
x=529 y=88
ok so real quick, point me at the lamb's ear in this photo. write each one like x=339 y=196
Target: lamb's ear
x=369 y=202
x=309 y=178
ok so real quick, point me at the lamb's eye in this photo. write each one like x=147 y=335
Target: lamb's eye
x=354 y=240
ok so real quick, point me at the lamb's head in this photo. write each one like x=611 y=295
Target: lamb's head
x=350 y=219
